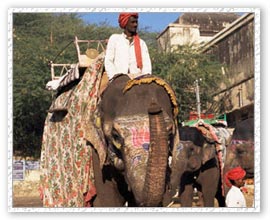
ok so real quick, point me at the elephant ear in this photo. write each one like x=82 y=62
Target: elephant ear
x=94 y=135
x=177 y=146
x=209 y=152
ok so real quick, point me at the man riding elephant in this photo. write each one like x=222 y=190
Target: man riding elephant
x=127 y=52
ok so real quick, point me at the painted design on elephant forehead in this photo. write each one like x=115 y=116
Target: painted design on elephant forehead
x=179 y=148
x=138 y=130
x=136 y=160
x=236 y=143
x=140 y=137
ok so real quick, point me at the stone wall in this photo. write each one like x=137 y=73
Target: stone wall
x=234 y=47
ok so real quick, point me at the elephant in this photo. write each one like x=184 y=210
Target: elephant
x=240 y=151
x=138 y=120
x=195 y=165
x=107 y=144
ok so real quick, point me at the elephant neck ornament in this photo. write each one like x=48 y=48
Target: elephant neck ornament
x=139 y=125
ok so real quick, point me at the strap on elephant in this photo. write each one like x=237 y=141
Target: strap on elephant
x=147 y=79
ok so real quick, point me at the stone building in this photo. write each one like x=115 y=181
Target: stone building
x=234 y=47
x=230 y=38
x=193 y=28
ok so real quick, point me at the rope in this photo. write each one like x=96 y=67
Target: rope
x=61 y=51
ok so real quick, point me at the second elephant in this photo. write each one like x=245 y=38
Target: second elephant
x=195 y=164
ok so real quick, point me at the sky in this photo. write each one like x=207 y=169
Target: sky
x=155 y=21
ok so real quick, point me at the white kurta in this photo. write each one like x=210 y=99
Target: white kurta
x=235 y=198
x=120 y=57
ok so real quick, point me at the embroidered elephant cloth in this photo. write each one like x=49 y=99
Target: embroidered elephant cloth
x=67 y=178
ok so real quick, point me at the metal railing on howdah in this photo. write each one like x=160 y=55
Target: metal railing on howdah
x=94 y=48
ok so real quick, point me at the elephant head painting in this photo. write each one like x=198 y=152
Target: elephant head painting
x=109 y=150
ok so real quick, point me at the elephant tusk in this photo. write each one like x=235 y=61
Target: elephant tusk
x=171 y=203
x=98 y=122
x=116 y=144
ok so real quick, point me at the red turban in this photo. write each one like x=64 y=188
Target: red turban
x=234 y=174
x=123 y=18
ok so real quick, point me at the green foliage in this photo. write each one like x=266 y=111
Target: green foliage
x=181 y=69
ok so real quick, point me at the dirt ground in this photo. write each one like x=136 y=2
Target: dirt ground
x=23 y=202
x=30 y=198
x=249 y=196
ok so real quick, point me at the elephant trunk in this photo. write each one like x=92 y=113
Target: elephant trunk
x=158 y=158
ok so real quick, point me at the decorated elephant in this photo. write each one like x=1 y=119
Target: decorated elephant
x=108 y=150
x=240 y=151
x=138 y=120
x=195 y=165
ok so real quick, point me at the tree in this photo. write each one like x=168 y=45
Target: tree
x=181 y=68
x=37 y=38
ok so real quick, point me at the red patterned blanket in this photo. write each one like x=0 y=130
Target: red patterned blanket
x=66 y=157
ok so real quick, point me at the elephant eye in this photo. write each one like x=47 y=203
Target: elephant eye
x=240 y=150
x=115 y=134
x=191 y=151
x=117 y=139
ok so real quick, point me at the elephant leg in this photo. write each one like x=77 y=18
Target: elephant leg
x=209 y=182
x=186 y=196
x=107 y=190
x=167 y=198
x=200 y=202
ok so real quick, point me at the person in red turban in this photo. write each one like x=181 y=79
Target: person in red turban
x=236 y=173
x=234 y=179
x=127 y=53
